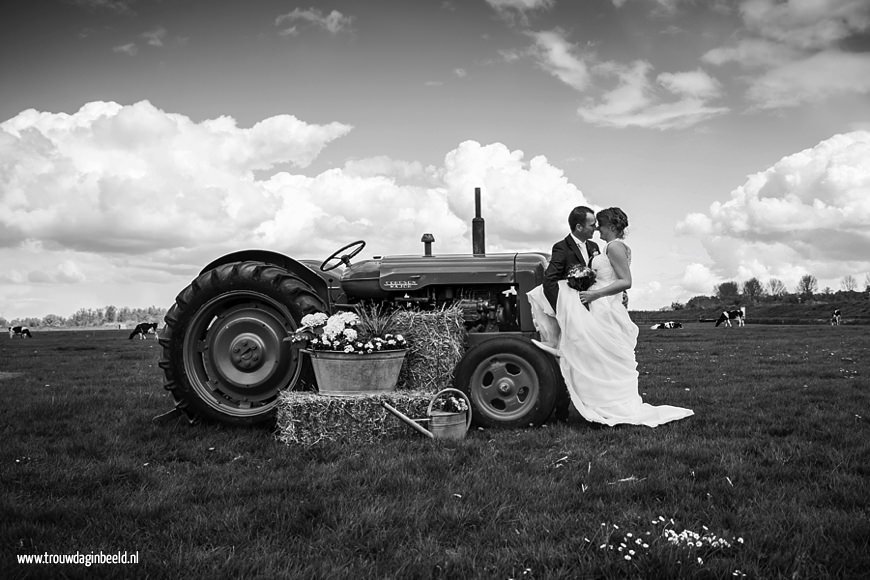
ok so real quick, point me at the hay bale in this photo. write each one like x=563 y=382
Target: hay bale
x=436 y=344
x=307 y=418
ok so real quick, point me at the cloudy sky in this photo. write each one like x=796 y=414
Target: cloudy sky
x=140 y=139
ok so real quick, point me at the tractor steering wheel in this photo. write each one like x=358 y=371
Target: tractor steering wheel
x=342 y=259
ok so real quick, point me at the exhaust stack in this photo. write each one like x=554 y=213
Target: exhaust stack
x=478 y=228
x=428 y=240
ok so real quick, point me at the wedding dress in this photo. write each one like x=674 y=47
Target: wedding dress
x=596 y=352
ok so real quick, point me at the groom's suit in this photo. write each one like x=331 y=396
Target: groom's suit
x=566 y=254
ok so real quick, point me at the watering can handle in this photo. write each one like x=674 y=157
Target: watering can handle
x=461 y=394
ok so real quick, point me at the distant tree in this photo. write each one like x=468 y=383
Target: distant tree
x=867 y=283
x=53 y=320
x=848 y=283
x=807 y=286
x=753 y=289
x=676 y=306
x=726 y=291
x=111 y=314
x=4 y=323
x=702 y=303
x=776 y=287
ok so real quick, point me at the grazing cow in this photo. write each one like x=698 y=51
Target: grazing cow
x=20 y=331
x=729 y=315
x=835 y=317
x=144 y=328
x=668 y=324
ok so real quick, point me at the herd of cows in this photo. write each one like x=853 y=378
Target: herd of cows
x=143 y=329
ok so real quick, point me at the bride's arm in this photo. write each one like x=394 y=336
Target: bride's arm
x=618 y=254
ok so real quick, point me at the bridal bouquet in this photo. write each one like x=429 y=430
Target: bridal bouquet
x=581 y=277
x=345 y=332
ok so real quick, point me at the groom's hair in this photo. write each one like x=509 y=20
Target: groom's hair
x=578 y=216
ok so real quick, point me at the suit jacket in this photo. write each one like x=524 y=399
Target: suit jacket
x=564 y=256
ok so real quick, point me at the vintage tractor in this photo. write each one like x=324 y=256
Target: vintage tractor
x=224 y=355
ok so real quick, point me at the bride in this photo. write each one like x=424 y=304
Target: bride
x=594 y=337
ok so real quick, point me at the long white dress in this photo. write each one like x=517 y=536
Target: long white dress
x=596 y=352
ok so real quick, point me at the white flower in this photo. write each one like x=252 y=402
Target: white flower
x=348 y=318
x=314 y=320
x=349 y=333
x=348 y=348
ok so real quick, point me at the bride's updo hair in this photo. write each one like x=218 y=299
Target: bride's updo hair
x=615 y=218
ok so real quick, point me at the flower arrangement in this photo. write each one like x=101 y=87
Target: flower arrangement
x=581 y=277
x=450 y=404
x=346 y=332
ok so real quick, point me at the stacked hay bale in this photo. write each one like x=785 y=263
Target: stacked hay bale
x=436 y=342
x=308 y=418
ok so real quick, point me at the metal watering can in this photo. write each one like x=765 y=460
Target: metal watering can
x=442 y=424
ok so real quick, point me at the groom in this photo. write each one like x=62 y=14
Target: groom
x=576 y=248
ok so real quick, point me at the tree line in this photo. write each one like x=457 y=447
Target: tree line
x=754 y=291
x=92 y=317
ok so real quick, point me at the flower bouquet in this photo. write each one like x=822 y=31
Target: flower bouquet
x=345 y=332
x=581 y=277
x=449 y=404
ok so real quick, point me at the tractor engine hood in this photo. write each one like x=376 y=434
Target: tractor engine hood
x=380 y=278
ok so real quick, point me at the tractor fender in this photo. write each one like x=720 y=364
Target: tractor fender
x=318 y=281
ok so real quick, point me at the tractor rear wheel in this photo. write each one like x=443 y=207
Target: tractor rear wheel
x=224 y=357
x=509 y=382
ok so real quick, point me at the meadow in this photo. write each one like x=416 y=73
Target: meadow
x=769 y=479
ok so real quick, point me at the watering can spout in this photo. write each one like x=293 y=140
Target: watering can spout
x=407 y=419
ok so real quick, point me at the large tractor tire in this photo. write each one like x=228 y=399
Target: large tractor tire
x=224 y=356
x=509 y=382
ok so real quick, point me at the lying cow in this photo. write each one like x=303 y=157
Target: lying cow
x=143 y=329
x=729 y=315
x=19 y=331
x=664 y=325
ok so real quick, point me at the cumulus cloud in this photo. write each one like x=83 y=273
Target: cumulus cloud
x=516 y=11
x=796 y=52
x=155 y=37
x=129 y=49
x=675 y=100
x=815 y=78
x=133 y=178
x=114 y=193
x=334 y=22
x=811 y=208
x=559 y=57
x=637 y=102
x=698 y=279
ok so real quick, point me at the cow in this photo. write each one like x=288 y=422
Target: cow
x=19 y=331
x=835 y=317
x=143 y=329
x=664 y=325
x=728 y=315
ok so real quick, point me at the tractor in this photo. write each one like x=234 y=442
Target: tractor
x=224 y=356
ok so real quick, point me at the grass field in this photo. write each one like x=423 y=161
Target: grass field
x=769 y=479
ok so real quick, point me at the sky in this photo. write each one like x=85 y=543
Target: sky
x=141 y=139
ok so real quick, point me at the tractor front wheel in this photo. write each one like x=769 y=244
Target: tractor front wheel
x=509 y=382
x=224 y=355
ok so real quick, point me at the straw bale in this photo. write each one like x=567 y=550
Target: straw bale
x=436 y=341
x=307 y=418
